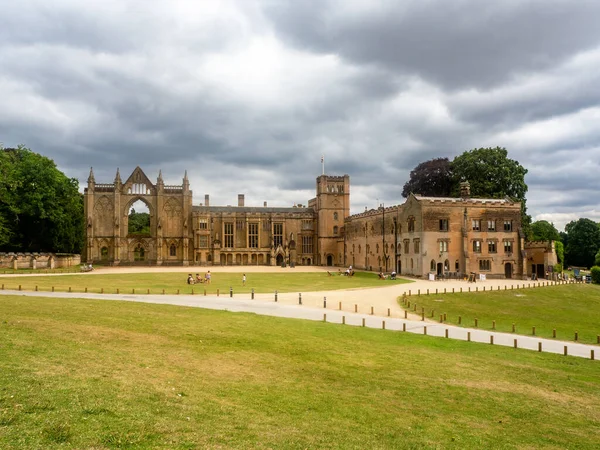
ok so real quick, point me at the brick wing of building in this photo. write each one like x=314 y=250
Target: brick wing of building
x=449 y=237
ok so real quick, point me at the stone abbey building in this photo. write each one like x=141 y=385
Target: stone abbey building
x=185 y=234
x=444 y=236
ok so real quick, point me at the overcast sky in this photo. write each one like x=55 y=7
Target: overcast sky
x=247 y=95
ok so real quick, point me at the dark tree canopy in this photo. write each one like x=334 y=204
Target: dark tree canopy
x=139 y=223
x=542 y=230
x=583 y=242
x=41 y=209
x=430 y=178
x=491 y=174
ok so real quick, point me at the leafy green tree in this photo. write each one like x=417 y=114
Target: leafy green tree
x=597 y=259
x=559 y=248
x=139 y=223
x=583 y=242
x=542 y=230
x=430 y=178
x=41 y=209
x=595 y=272
x=492 y=174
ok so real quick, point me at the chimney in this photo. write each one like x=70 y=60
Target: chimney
x=265 y=204
x=465 y=189
x=240 y=199
x=206 y=203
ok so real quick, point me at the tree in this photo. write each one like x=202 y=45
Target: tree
x=597 y=259
x=139 y=223
x=583 y=242
x=559 y=248
x=430 y=178
x=492 y=174
x=542 y=230
x=41 y=209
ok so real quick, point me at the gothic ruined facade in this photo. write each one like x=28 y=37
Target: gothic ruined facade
x=450 y=236
x=185 y=234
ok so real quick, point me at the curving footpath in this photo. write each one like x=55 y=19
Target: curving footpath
x=312 y=309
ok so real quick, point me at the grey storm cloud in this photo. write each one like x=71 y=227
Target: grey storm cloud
x=247 y=95
x=456 y=44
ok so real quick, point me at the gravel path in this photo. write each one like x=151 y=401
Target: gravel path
x=325 y=306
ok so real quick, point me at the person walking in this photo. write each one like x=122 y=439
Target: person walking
x=244 y=280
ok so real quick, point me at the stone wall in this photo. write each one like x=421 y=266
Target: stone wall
x=38 y=260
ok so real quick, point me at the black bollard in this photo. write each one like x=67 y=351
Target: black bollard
x=252 y=294
x=230 y=291
x=275 y=295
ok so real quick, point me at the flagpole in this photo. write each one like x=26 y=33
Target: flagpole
x=323 y=164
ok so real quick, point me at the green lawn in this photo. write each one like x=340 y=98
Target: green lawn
x=103 y=375
x=566 y=308
x=172 y=281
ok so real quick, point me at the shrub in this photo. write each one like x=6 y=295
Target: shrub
x=595 y=271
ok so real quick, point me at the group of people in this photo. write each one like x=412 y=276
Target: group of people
x=199 y=279
x=383 y=276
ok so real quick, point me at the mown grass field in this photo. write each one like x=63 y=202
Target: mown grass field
x=103 y=375
x=564 y=308
x=172 y=281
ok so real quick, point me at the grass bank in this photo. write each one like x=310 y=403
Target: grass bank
x=261 y=282
x=564 y=308
x=93 y=374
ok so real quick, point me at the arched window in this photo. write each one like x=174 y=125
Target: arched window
x=335 y=230
x=456 y=266
x=359 y=247
x=377 y=248
x=335 y=216
x=172 y=250
x=104 y=253
x=412 y=265
x=446 y=266
x=432 y=265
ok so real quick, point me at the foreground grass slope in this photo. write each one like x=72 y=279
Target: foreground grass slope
x=94 y=374
x=172 y=281
x=566 y=308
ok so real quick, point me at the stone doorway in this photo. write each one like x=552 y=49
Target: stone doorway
x=508 y=270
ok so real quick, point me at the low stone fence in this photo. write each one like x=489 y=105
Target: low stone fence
x=17 y=261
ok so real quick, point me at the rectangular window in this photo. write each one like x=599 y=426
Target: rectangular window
x=508 y=225
x=443 y=224
x=278 y=234
x=307 y=245
x=443 y=246
x=411 y=224
x=508 y=246
x=406 y=246
x=172 y=250
x=228 y=234
x=417 y=245
x=477 y=246
x=485 y=265
x=307 y=225
x=492 y=247
x=203 y=241
x=253 y=235
x=203 y=224
x=491 y=225
x=476 y=224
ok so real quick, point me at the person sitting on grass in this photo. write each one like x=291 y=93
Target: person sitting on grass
x=328 y=273
x=199 y=279
x=190 y=279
